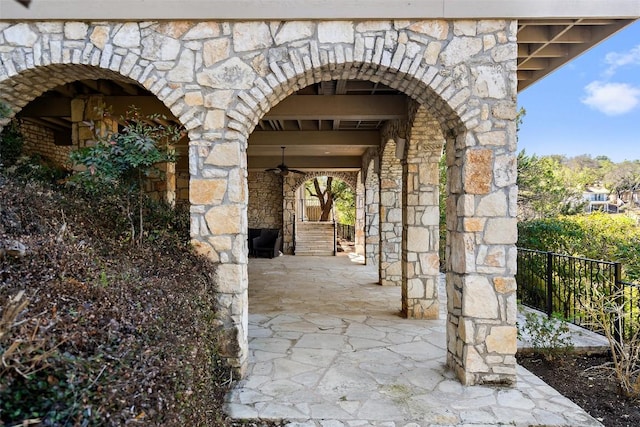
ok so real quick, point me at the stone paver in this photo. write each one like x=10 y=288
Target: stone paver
x=329 y=348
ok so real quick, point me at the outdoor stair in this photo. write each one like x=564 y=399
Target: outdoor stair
x=315 y=238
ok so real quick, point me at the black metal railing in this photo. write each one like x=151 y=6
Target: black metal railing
x=565 y=286
x=346 y=232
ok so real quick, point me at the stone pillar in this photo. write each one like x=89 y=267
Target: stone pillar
x=481 y=221
x=162 y=184
x=360 y=215
x=87 y=120
x=265 y=200
x=218 y=195
x=390 y=268
x=420 y=258
x=288 y=213
x=372 y=219
x=170 y=179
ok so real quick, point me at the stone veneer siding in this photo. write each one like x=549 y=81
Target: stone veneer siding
x=372 y=213
x=421 y=216
x=220 y=78
x=40 y=140
x=359 y=225
x=390 y=268
x=265 y=200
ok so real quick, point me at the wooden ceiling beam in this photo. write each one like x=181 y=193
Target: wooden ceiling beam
x=534 y=64
x=543 y=51
x=305 y=162
x=364 y=139
x=554 y=34
x=342 y=107
x=48 y=123
x=61 y=106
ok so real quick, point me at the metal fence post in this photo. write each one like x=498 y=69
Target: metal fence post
x=549 y=284
x=619 y=299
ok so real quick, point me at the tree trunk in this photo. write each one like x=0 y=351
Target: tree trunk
x=324 y=197
x=326 y=209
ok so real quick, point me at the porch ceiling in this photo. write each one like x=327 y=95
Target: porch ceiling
x=329 y=125
x=546 y=44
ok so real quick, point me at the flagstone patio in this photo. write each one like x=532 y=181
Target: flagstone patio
x=329 y=348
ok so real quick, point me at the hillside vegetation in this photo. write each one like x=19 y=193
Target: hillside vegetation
x=97 y=330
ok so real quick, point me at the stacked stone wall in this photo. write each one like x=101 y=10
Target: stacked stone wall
x=421 y=216
x=40 y=140
x=182 y=186
x=265 y=200
x=391 y=203
x=372 y=213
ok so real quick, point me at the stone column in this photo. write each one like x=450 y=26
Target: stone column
x=420 y=258
x=390 y=268
x=170 y=179
x=218 y=195
x=360 y=215
x=481 y=220
x=372 y=219
x=288 y=213
x=162 y=185
x=87 y=120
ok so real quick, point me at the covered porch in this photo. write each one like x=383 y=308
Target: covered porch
x=328 y=346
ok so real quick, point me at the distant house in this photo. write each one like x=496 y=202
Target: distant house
x=598 y=198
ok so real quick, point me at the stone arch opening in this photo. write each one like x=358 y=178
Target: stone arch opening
x=292 y=200
x=447 y=87
x=68 y=112
x=302 y=193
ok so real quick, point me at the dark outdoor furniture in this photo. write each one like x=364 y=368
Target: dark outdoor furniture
x=267 y=244
x=253 y=233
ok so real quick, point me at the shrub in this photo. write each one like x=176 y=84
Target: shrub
x=609 y=315
x=549 y=336
x=120 y=162
x=601 y=236
x=11 y=143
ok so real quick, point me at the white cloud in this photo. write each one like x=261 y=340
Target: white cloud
x=613 y=99
x=616 y=60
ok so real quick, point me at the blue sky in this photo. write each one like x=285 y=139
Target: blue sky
x=589 y=106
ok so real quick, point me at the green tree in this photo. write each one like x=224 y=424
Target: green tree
x=586 y=170
x=120 y=162
x=345 y=201
x=328 y=191
x=623 y=177
x=545 y=188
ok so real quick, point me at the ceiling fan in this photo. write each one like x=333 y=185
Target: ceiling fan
x=283 y=169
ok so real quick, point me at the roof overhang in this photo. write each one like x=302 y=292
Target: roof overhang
x=315 y=9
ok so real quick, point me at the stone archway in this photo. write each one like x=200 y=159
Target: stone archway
x=463 y=96
x=290 y=186
x=220 y=78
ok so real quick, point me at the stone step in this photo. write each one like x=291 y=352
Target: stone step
x=314 y=239
x=314 y=253
x=303 y=248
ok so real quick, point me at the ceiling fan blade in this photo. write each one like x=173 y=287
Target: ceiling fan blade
x=282 y=169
